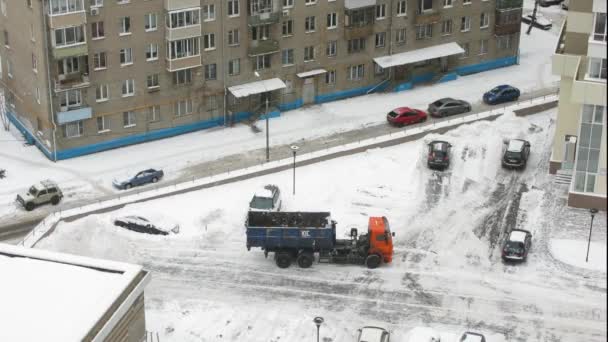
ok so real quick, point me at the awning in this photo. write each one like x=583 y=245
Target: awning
x=419 y=55
x=311 y=73
x=258 y=87
x=354 y=4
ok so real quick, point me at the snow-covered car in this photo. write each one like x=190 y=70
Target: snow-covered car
x=143 y=225
x=472 y=337
x=266 y=199
x=439 y=155
x=422 y=334
x=516 y=154
x=541 y=22
x=517 y=245
x=46 y=191
x=373 y=334
x=140 y=178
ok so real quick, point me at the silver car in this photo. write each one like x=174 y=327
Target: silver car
x=46 y=191
x=448 y=106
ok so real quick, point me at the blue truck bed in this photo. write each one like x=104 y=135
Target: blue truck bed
x=274 y=231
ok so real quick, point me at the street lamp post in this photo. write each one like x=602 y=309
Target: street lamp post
x=593 y=211
x=294 y=149
x=318 y=321
x=267 y=134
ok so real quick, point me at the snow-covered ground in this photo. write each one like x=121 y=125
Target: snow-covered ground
x=446 y=273
x=574 y=252
x=90 y=176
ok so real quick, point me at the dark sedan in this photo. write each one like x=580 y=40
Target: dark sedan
x=448 y=106
x=517 y=245
x=140 y=178
x=500 y=94
x=439 y=155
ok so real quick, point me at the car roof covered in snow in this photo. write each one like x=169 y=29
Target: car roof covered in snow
x=517 y=236
x=263 y=192
x=439 y=145
x=515 y=145
x=472 y=337
x=371 y=334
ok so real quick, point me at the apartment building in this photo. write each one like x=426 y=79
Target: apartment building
x=579 y=146
x=82 y=76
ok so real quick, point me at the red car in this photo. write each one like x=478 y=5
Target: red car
x=405 y=116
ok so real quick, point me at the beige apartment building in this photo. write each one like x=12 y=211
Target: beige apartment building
x=81 y=76
x=579 y=146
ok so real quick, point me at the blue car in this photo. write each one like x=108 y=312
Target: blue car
x=500 y=94
x=140 y=178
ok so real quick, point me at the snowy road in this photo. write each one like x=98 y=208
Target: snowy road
x=446 y=273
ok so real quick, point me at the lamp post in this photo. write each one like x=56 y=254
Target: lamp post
x=318 y=321
x=267 y=133
x=294 y=149
x=593 y=211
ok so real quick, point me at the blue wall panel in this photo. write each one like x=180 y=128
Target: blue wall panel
x=404 y=86
x=489 y=65
x=339 y=95
x=448 y=77
x=291 y=105
x=423 y=78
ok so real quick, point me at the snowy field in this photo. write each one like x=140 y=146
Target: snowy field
x=90 y=176
x=446 y=274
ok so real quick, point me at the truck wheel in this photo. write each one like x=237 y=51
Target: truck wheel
x=373 y=261
x=55 y=200
x=283 y=259
x=305 y=260
x=29 y=206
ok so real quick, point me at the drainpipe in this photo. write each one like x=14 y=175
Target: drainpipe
x=48 y=74
x=224 y=62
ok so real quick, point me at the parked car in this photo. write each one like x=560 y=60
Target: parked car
x=422 y=334
x=46 y=191
x=439 y=154
x=516 y=154
x=547 y=3
x=541 y=22
x=517 y=245
x=373 y=334
x=143 y=225
x=140 y=178
x=266 y=199
x=472 y=337
x=405 y=116
x=448 y=106
x=500 y=94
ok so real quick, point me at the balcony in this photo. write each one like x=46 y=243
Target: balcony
x=182 y=32
x=508 y=4
x=263 y=47
x=501 y=30
x=585 y=90
x=71 y=81
x=174 y=5
x=67 y=19
x=508 y=21
x=263 y=18
x=183 y=63
x=427 y=17
x=67 y=115
x=81 y=49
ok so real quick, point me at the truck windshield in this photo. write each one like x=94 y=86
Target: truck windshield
x=261 y=203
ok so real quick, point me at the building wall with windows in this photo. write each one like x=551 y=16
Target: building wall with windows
x=126 y=71
x=579 y=146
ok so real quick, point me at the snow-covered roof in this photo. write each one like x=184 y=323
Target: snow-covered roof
x=311 y=73
x=419 y=55
x=353 y=4
x=472 y=338
x=422 y=334
x=258 y=87
x=517 y=236
x=371 y=334
x=263 y=192
x=515 y=145
x=48 y=296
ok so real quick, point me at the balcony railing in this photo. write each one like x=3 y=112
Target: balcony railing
x=183 y=63
x=172 y=5
x=264 y=18
x=427 y=17
x=60 y=52
x=507 y=4
x=69 y=19
x=182 y=32
x=71 y=81
x=358 y=31
x=263 y=47
x=587 y=91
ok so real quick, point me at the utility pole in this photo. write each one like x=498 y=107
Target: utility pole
x=593 y=211
x=267 y=133
x=533 y=17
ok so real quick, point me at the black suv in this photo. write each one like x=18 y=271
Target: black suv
x=439 y=155
x=516 y=154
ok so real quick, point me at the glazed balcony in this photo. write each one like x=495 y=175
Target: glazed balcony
x=71 y=81
x=263 y=47
x=182 y=32
x=76 y=18
x=76 y=50
x=183 y=63
x=508 y=4
x=427 y=17
x=263 y=18
x=174 y=5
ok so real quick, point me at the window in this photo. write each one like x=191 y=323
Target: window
x=128 y=88
x=182 y=76
x=208 y=12
x=356 y=72
x=332 y=48
x=447 y=27
x=288 y=28
x=37 y=94
x=381 y=11
x=183 y=48
x=183 y=18
x=128 y=119
x=483 y=46
x=32 y=33
x=261 y=32
x=68 y=65
x=28 y=3
x=484 y=20
x=424 y=31
x=233 y=8
x=153 y=113
x=503 y=42
x=599 y=27
x=597 y=68
x=356 y=45
x=465 y=24
x=400 y=37
x=310 y=2
x=208 y=41
x=102 y=124
x=234 y=67
x=262 y=62
x=332 y=20
x=309 y=53
x=65 y=6
x=34 y=63
x=378 y=70
x=330 y=77
x=97 y=30
x=73 y=129
x=124 y=26
x=287 y=3
x=425 y=5
x=68 y=36
x=102 y=93
x=233 y=37
x=152 y=52
x=70 y=99
x=402 y=8
x=152 y=81
x=6 y=40
x=466 y=2
x=126 y=56
x=150 y=21
x=447 y=3
x=183 y=107
x=96 y=3
x=310 y=24
x=588 y=149
x=380 y=39
x=9 y=70
x=287 y=57
x=99 y=61
x=211 y=71
x=466 y=48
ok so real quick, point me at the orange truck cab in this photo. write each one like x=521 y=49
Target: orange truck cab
x=380 y=238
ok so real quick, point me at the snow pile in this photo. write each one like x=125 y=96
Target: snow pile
x=574 y=252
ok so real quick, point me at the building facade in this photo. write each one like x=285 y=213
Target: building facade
x=81 y=76
x=579 y=146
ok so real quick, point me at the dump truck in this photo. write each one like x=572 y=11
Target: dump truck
x=299 y=236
